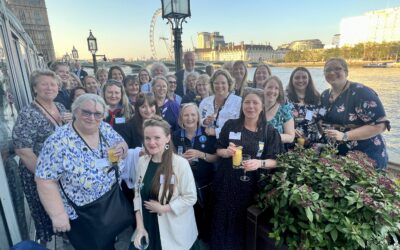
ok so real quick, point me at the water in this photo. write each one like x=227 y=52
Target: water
x=386 y=82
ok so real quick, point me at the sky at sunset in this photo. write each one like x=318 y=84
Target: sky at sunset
x=122 y=26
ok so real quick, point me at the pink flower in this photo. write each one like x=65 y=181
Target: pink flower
x=377 y=142
x=340 y=108
x=352 y=117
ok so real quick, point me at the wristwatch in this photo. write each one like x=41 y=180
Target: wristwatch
x=345 y=137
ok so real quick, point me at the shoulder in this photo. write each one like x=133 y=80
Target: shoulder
x=234 y=98
x=231 y=124
x=361 y=90
x=206 y=101
x=180 y=163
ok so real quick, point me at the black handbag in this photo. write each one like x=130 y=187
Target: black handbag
x=100 y=221
x=203 y=193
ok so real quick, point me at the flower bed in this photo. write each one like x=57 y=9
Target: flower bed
x=324 y=201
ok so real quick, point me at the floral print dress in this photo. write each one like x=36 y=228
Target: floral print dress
x=358 y=106
x=305 y=118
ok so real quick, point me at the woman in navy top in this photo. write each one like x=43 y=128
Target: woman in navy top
x=354 y=113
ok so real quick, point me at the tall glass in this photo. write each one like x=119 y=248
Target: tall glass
x=244 y=177
x=111 y=156
x=237 y=157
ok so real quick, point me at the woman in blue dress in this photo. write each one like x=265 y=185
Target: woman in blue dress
x=355 y=114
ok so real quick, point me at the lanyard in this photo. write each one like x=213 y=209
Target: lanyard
x=101 y=137
x=52 y=117
x=219 y=109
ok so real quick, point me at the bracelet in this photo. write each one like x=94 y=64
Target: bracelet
x=262 y=163
x=205 y=156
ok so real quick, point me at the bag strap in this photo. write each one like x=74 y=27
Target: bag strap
x=66 y=196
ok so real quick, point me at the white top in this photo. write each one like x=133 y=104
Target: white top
x=131 y=165
x=230 y=110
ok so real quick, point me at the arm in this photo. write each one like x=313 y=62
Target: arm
x=140 y=231
x=255 y=164
x=53 y=204
x=361 y=133
x=194 y=153
x=288 y=131
x=28 y=158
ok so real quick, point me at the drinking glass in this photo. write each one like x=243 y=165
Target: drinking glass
x=111 y=155
x=244 y=177
x=326 y=126
x=143 y=243
x=237 y=157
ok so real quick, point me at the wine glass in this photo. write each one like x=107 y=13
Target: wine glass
x=244 y=177
x=143 y=243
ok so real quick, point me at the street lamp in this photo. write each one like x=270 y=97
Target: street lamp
x=92 y=46
x=75 y=54
x=176 y=11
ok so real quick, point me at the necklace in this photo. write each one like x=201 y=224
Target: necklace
x=269 y=109
x=45 y=110
x=331 y=99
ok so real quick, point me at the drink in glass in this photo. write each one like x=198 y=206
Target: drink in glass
x=111 y=155
x=237 y=157
x=244 y=177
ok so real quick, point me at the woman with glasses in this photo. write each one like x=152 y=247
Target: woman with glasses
x=302 y=93
x=144 y=80
x=75 y=161
x=198 y=148
x=354 y=113
x=172 y=88
x=120 y=111
x=168 y=108
x=132 y=87
x=233 y=194
x=34 y=125
x=202 y=90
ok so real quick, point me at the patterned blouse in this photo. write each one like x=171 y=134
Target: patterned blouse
x=283 y=115
x=305 y=118
x=358 y=105
x=66 y=157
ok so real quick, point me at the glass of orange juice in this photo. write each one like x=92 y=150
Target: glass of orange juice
x=237 y=157
x=111 y=155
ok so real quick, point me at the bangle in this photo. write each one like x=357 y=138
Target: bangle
x=205 y=156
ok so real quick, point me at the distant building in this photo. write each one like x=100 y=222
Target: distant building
x=306 y=44
x=206 y=40
x=33 y=17
x=374 y=26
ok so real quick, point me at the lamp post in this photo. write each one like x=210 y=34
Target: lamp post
x=75 y=54
x=92 y=46
x=176 y=11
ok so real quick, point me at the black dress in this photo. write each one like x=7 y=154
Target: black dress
x=232 y=196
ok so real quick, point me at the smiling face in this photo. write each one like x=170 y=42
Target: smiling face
x=89 y=115
x=191 y=83
x=252 y=106
x=102 y=78
x=46 y=88
x=144 y=77
x=171 y=84
x=155 y=140
x=160 y=88
x=112 y=95
x=271 y=91
x=190 y=118
x=238 y=72
x=300 y=80
x=63 y=72
x=116 y=74
x=159 y=71
x=335 y=73
x=132 y=88
x=91 y=85
x=261 y=75
x=202 y=88
x=221 y=86
x=146 y=111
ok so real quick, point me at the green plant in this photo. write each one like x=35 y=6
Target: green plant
x=325 y=201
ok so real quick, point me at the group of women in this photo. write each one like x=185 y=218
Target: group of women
x=178 y=151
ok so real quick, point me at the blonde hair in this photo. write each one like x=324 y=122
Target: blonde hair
x=126 y=107
x=183 y=108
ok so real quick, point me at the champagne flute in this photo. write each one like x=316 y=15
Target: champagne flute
x=244 y=177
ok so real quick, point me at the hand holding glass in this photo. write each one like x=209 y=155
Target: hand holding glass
x=244 y=177
x=112 y=157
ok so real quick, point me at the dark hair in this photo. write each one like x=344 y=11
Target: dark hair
x=281 y=97
x=148 y=73
x=165 y=168
x=312 y=95
x=255 y=72
x=137 y=119
x=54 y=66
x=72 y=94
x=260 y=93
x=243 y=83
x=340 y=60
x=118 y=68
x=130 y=78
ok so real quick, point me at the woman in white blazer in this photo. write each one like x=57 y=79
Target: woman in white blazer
x=165 y=193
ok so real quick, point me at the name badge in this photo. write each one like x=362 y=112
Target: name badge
x=101 y=163
x=235 y=136
x=119 y=120
x=180 y=150
x=260 y=148
x=309 y=115
x=162 y=179
x=322 y=111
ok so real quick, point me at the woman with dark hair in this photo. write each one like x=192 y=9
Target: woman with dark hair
x=232 y=196
x=260 y=76
x=76 y=92
x=132 y=87
x=239 y=72
x=116 y=73
x=165 y=193
x=144 y=80
x=354 y=113
x=302 y=93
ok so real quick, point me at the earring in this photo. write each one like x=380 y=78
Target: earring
x=166 y=146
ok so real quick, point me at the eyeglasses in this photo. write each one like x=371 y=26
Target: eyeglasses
x=172 y=82
x=334 y=69
x=87 y=114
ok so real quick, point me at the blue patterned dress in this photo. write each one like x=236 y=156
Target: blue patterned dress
x=283 y=115
x=65 y=157
x=358 y=106
x=30 y=131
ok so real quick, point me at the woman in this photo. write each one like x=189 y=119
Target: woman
x=116 y=73
x=240 y=76
x=355 y=114
x=192 y=143
x=75 y=159
x=277 y=112
x=132 y=87
x=260 y=76
x=76 y=92
x=144 y=80
x=169 y=109
x=172 y=88
x=120 y=111
x=34 y=124
x=232 y=196
x=92 y=85
x=165 y=193
x=215 y=110
x=102 y=76
x=190 y=83
x=74 y=81
x=302 y=93
x=202 y=90
x=156 y=69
